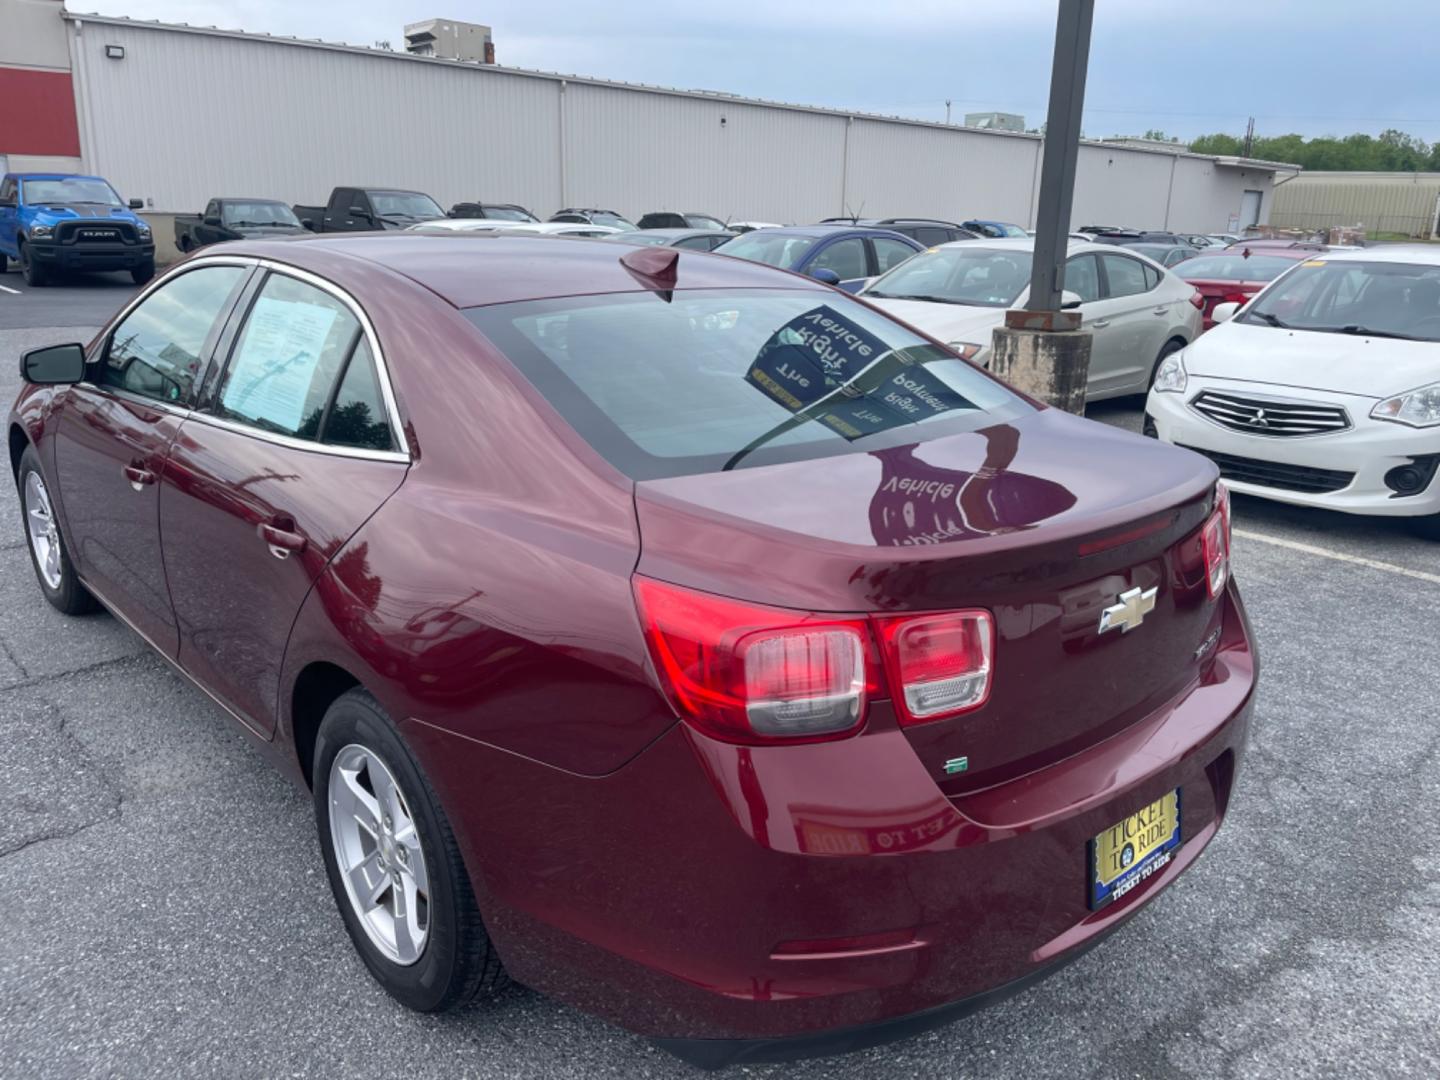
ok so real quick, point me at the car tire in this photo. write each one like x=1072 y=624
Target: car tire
x=359 y=751
x=54 y=571
x=36 y=276
x=141 y=274
x=1170 y=348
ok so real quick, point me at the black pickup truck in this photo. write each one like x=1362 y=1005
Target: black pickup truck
x=357 y=209
x=234 y=219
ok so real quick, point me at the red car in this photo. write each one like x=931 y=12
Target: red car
x=1237 y=273
x=685 y=638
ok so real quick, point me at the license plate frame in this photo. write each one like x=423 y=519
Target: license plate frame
x=1106 y=851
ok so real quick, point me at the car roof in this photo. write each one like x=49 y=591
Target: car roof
x=55 y=176
x=470 y=269
x=1420 y=254
x=681 y=234
x=1025 y=244
x=827 y=229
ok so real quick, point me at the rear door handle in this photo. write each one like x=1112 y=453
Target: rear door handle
x=139 y=478
x=1100 y=324
x=1164 y=309
x=282 y=542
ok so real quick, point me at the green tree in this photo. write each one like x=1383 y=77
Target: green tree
x=1390 y=151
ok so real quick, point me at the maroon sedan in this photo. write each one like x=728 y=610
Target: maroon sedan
x=1234 y=275
x=684 y=638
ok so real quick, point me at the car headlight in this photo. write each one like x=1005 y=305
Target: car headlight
x=142 y=229
x=1172 y=377
x=1418 y=408
x=968 y=350
x=39 y=232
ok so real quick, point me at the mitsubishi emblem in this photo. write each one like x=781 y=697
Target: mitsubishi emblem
x=1259 y=419
x=1130 y=612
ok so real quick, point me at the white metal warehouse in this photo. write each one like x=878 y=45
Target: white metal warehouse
x=177 y=114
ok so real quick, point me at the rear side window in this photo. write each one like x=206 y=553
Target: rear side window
x=1082 y=278
x=1152 y=276
x=890 y=253
x=719 y=379
x=357 y=417
x=1126 y=276
x=285 y=362
x=157 y=349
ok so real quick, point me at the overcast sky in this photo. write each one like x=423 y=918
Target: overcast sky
x=1310 y=66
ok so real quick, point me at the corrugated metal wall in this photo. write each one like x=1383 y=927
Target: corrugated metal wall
x=1401 y=203
x=191 y=114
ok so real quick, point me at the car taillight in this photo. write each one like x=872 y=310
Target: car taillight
x=752 y=674
x=1215 y=541
x=1235 y=298
x=1197 y=300
x=939 y=665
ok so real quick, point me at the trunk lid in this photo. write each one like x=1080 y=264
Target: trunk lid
x=1043 y=521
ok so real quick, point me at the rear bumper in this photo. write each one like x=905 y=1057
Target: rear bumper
x=696 y=894
x=92 y=256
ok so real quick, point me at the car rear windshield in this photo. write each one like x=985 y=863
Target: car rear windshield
x=508 y=213
x=984 y=277
x=615 y=221
x=72 y=189
x=710 y=380
x=1370 y=299
x=1233 y=268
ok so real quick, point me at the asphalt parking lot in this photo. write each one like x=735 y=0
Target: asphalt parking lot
x=166 y=908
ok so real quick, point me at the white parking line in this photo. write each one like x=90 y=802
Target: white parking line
x=12 y=292
x=1326 y=553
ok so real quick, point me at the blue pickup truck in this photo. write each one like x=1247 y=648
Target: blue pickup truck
x=54 y=222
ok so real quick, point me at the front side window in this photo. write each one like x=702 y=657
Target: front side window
x=890 y=253
x=1125 y=276
x=285 y=361
x=409 y=204
x=980 y=276
x=258 y=213
x=844 y=257
x=784 y=250
x=156 y=350
x=696 y=243
x=1082 y=278
x=722 y=379
x=1373 y=299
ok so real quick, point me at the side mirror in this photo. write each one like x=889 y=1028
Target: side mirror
x=1069 y=301
x=1224 y=312
x=212 y=221
x=55 y=365
x=137 y=204
x=829 y=277
x=307 y=223
x=360 y=212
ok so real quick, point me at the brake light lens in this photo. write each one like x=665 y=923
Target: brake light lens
x=1197 y=300
x=941 y=663
x=1241 y=298
x=1215 y=540
x=746 y=673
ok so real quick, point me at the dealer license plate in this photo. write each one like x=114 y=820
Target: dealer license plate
x=1133 y=850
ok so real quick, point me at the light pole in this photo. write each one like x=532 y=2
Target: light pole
x=1041 y=349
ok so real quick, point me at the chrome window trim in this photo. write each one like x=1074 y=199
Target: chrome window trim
x=387 y=392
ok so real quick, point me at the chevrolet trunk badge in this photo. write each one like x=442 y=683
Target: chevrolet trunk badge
x=1130 y=612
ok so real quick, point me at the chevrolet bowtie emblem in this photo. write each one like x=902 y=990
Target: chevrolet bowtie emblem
x=1130 y=612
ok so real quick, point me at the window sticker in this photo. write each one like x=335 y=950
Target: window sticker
x=282 y=344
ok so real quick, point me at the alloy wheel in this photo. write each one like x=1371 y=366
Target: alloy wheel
x=44 y=533
x=377 y=850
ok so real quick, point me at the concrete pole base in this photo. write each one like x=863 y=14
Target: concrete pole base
x=1052 y=365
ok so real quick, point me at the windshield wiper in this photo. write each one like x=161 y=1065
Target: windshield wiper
x=912 y=296
x=1365 y=331
x=1269 y=320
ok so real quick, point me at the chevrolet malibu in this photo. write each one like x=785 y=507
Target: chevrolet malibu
x=675 y=635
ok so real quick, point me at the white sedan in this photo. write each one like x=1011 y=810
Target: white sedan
x=1138 y=312
x=1324 y=389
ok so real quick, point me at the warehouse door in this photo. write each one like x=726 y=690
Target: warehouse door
x=1250 y=208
